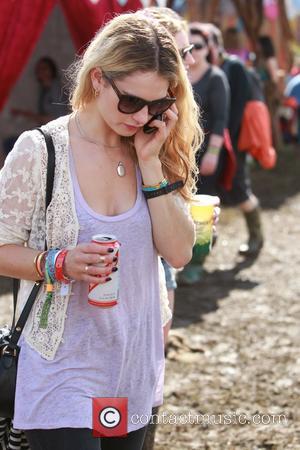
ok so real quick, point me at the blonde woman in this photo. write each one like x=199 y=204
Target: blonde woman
x=106 y=165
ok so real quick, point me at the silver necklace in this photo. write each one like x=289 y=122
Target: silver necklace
x=120 y=169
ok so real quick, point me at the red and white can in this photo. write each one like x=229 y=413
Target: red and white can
x=107 y=294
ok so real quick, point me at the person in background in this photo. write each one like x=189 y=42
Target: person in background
x=267 y=67
x=178 y=28
x=292 y=92
x=233 y=43
x=240 y=194
x=211 y=92
x=52 y=100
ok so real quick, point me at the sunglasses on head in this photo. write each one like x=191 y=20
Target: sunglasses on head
x=184 y=51
x=129 y=104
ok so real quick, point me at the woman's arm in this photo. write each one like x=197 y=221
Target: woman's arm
x=18 y=262
x=172 y=227
x=173 y=230
x=218 y=106
x=218 y=103
x=20 y=185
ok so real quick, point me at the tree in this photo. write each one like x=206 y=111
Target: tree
x=202 y=10
x=251 y=13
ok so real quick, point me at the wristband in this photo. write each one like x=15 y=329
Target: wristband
x=213 y=150
x=49 y=293
x=50 y=263
x=59 y=263
x=164 y=190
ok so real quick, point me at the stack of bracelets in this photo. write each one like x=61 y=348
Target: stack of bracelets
x=49 y=266
x=162 y=188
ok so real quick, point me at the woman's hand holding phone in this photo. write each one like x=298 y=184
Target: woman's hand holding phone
x=148 y=143
x=147 y=128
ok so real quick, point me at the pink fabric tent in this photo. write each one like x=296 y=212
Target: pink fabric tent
x=22 y=21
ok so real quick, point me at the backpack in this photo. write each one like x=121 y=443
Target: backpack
x=255 y=135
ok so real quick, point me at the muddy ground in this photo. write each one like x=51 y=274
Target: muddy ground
x=234 y=356
x=235 y=343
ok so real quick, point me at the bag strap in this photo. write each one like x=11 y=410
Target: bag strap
x=17 y=330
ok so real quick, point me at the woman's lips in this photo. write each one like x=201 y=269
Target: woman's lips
x=131 y=127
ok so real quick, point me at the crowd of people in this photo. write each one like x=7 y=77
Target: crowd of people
x=112 y=177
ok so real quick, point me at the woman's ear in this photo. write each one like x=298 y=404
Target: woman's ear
x=96 y=79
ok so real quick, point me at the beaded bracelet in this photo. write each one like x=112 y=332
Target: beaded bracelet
x=154 y=187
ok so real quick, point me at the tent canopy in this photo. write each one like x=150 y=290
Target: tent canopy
x=22 y=21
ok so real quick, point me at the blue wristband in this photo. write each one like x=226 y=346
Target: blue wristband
x=164 y=183
x=50 y=263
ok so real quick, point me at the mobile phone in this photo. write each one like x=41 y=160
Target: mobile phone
x=147 y=129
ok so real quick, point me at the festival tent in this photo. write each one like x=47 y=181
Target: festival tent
x=22 y=21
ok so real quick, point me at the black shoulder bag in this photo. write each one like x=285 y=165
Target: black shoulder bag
x=9 y=349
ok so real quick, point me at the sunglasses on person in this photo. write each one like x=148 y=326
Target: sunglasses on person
x=129 y=104
x=198 y=46
x=186 y=50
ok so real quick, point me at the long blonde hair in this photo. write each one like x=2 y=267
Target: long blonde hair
x=131 y=43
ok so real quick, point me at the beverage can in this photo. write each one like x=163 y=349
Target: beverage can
x=107 y=294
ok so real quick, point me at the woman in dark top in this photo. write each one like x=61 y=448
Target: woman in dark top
x=241 y=92
x=211 y=91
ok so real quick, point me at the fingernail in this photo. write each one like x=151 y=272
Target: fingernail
x=107 y=279
x=115 y=259
x=114 y=269
x=110 y=250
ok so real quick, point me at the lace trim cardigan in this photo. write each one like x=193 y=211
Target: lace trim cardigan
x=22 y=222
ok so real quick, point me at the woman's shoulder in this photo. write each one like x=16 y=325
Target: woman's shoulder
x=218 y=80
x=57 y=125
x=30 y=146
x=33 y=138
x=26 y=144
x=217 y=73
x=59 y=131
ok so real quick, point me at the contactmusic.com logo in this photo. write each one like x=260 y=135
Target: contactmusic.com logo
x=110 y=416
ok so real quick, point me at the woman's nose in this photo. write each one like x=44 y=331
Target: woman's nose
x=141 y=116
x=189 y=60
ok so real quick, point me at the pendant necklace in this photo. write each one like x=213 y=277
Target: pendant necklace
x=120 y=169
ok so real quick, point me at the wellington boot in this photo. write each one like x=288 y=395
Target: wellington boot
x=191 y=274
x=255 y=242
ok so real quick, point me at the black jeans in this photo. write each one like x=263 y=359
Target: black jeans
x=82 y=439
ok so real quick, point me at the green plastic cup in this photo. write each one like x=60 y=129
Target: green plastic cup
x=202 y=211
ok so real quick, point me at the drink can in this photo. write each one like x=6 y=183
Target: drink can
x=107 y=294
